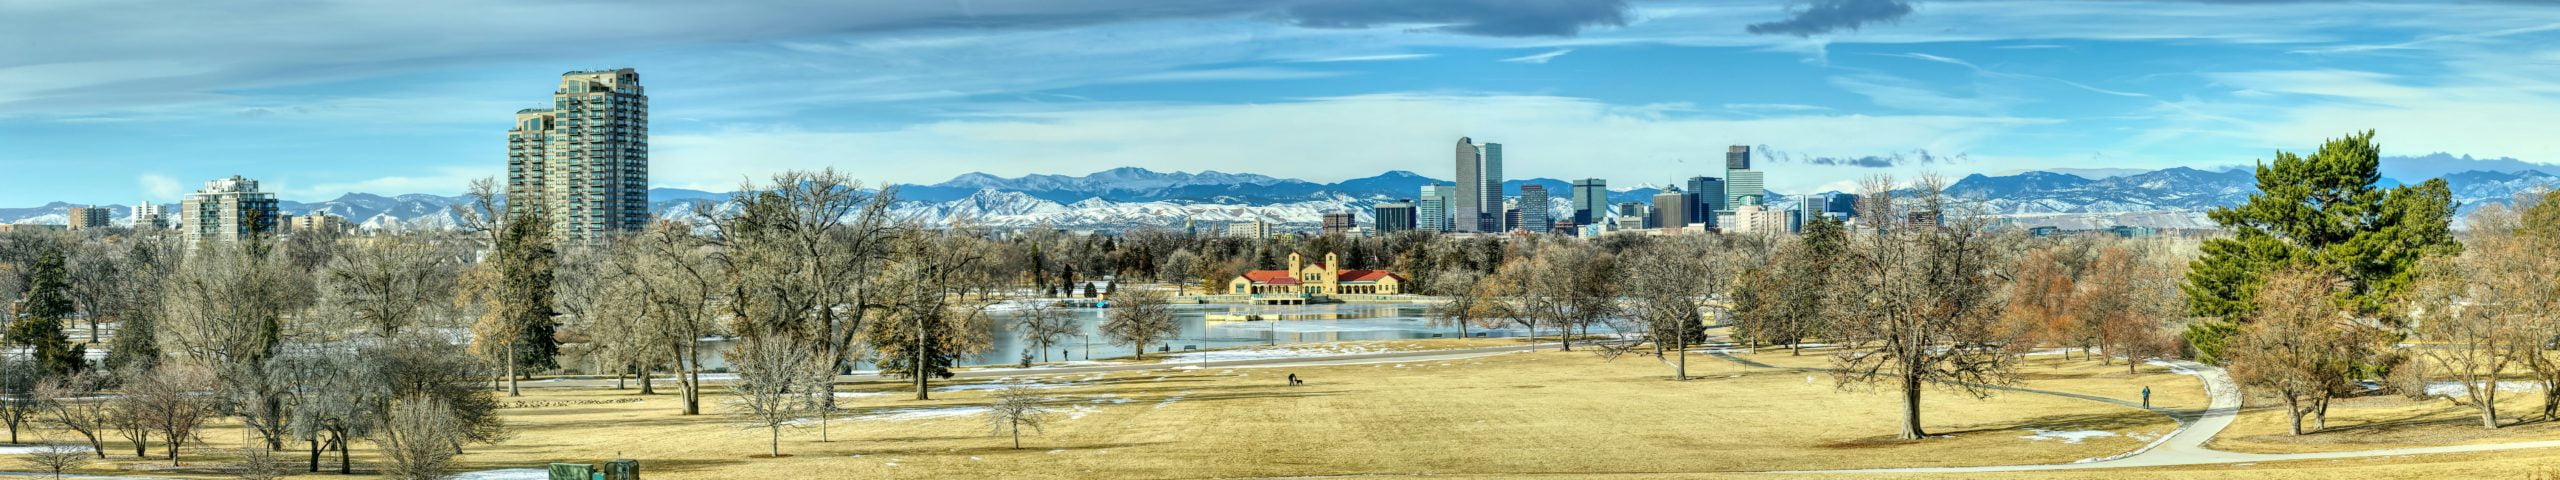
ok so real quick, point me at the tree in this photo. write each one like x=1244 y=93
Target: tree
x=47 y=304
x=1177 y=270
x=167 y=400
x=2300 y=343
x=389 y=284
x=1139 y=318
x=336 y=394
x=2128 y=299
x=2534 y=226
x=1573 y=285
x=1042 y=323
x=1017 y=407
x=75 y=404
x=798 y=256
x=2044 y=304
x=55 y=458
x=225 y=317
x=931 y=319
x=778 y=385
x=673 y=276
x=2479 y=310
x=1459 y=306
x=1917 y=303
x=2327 y=211
x=1499 y=295
x=1670 y=283
x=527 y=264
x=417 y=439
x=18 y=401
x=135 y=303
x=1791 y=292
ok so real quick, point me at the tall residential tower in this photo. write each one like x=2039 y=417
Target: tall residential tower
x=228 y=210
x=584 y=162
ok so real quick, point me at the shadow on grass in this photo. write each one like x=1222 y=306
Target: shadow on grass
x=2112 y=421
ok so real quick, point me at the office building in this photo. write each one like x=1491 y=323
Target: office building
x=228 y=210
x=1758 y=219
x=1254 y=229
x=1535 y=210
x=1590 y=201
x=1668 y=211
x=1340 y=223
x=1392 y=217
x=1431 y=211
x=1633 y=209
x=1492 y=195
x=1466 y=204
x=84 y=218
x=1709 y=192
x=151 y=216
x=584 y=162
x=1743 y=186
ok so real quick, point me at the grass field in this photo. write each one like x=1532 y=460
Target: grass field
x=1516 y=414
x=2388 y=421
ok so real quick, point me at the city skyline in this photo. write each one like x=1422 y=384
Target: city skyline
x=1322 y=91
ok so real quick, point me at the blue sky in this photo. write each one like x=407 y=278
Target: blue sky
x=122 y=100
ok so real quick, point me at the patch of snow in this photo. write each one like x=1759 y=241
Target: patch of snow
x=1058 y=451
x=904 y=414
x=860 y=394
x=507 y=474
x=2071 y=437
x=1168 y=401
x=2456 y=389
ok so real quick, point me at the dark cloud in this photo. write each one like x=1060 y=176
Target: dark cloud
x=1499 y=18
x=1825 y=16
x=1889 y=160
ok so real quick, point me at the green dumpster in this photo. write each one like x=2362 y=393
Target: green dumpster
x=622 y=469
x=572 y=471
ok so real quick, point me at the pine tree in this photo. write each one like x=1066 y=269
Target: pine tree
x=2324 y=212
x=39 y=326
x=526 y=263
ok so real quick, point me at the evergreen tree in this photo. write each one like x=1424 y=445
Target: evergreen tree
x=2323 y=212
x=526 y=263
x=39 y=326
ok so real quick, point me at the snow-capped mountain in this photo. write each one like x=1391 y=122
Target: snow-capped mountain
x=1126 y=198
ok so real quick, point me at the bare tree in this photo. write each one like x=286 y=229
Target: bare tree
x=2129 y=296
x=1669 y=283
x=1017 y=407
x=337 y=395
x=417 y=439
x=1139 y=317
x=226 y=315
x=779 y=384
x=1917 y=304
x=1042 y=323
x=932 y=319
x=260 y=464
x=19 y=404
x=77 y=404
x=798 y=256
x=1459 y=306
x=2300 y=345
x=172 y=401
x=2479 y=309
x=674 y=277
x=55 y=458
x=1573 y=286
x=389 y=283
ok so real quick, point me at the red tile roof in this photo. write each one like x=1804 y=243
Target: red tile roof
x=1265 y=275
x=1368 y=275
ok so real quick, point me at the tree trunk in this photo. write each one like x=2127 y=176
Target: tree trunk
x=344 y=467
x=512 y=389
x=2489 y=408
x=1911 y=408
x=776 y=431
x=2293 y=408
x=1683 y=352
x=2320 y=420
x=315 y=454
x=648 y=382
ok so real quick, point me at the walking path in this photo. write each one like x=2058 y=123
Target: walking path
x=2186 y=446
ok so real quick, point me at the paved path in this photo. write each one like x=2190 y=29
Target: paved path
x=1358 y=359
x=2186 y=446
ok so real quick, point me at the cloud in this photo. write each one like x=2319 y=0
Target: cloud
x=1898 y=92
x=161 y=188
x=1497 y=18
x=1994 y=73
x=1825 y=16
x=1919 y=157
x=1539 y=58
x=1227 y=74
x=1367 y=58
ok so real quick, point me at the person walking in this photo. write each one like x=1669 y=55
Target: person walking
x=2146 y=396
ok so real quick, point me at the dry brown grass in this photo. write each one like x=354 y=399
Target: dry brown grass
x=2387 y=421
x=1548 y=412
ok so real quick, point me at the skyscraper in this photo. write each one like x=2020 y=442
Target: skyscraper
x=228 y=210
x=1466 y=205
x=1340 y=223
x=1492 y=195
x=148 y=216
x=1742 y=184
x=1709 y=191
x=584 y=163
x=1431 y=210
x=1668 y=211
x=1534 y=209
x=1590 y=201
x=1392 y=217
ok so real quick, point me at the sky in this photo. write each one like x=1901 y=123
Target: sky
x=119 y=101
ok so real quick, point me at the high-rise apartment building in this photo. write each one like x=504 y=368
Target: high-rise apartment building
x=1535 y=210
x=1466 y=205
x=1590 y=201
x=584 y=162
x=1392 y=217
x=84 y=218
x=1340 y=223
x=227 y=211
x=150 y=216
x=317 y=223
x=1250 y=229
x=1431 y=210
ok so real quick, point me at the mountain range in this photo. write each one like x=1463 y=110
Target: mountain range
x=1129 y=197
